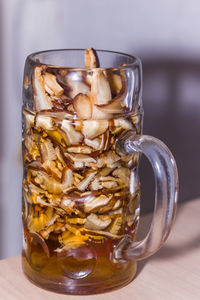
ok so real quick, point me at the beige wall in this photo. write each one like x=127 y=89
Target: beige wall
x=165 y=34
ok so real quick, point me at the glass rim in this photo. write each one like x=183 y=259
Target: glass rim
x=136 y=62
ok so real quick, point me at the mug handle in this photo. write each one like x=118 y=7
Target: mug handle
x=166 y=190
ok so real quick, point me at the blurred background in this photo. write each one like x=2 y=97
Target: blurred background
x=164 y=34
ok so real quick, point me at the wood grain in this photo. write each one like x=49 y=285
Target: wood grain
x=172 y=273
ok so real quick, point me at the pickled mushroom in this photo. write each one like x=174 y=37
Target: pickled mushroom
x=114 y=106
x=41 y=98
x=41 y=220
x=70 y=241
x=116 y=225
x=100 y=88
x=73 y=137
x=29 y=119
x=83 y=106
x=94 y=128
x=51 y=85
x=47 y=151
x=92 y=204
x=97 y=223
x=108 y=159
x=80 y=149
x=48 y=183
x=91 y=59
x=123 y=174
x=82 y=185
x=44 y=122
x=31 y=144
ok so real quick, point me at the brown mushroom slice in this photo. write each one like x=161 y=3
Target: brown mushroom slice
x=82 y=185
x=51 y=85
x=80 y=160
x=123 y=123
x=95 y=185
x=96 y=223
x=109 y=184
x=118 y=83
x=74 y=137
x=71 y=109
x=39 y=200
x=100 y=143
x=115 y=212
x=29 y=119
x=52 y=204
x=35 y=189
x=33 y=169
x=115 y=81
x=91 y=59
x=57 y=115
x=87 y=193
x=48 y=183
x=83 y=106
x=44 y=122
x=68 y=179
x=73 y=228
x=100 y=115
x=95 y=143
x=77 y=179
x=116 y=225
x=55 y=228
x=115 y=106
x=64 y=236
x=106 y=141
x=47 y=151
x=78 y=124
x=31 y=144
x=100 y=88
x=107 y=178
x=98 y=234
x=106 y=171
x=51 y=168
x=49 y=158
x=80 y=149
x=41 y=98
x=78 y=165
x=123 y=174
x=70 y=241
x=58 y=137
x=70 y=207
x=76 y=221
x=60 y=155
x=107 y=208
x=94 y=128
x=38 y=223
x=107 y=159
x=116 y=205
x=91 y=204
x=67 y=204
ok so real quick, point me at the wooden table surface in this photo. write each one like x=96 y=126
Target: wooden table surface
x=173 y=273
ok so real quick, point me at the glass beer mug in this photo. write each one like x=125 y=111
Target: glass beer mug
x=82 y=140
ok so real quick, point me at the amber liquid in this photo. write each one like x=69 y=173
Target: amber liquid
x=86 y=271
x=89 y=267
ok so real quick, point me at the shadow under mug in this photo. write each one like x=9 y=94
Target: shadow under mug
x=82 y=140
